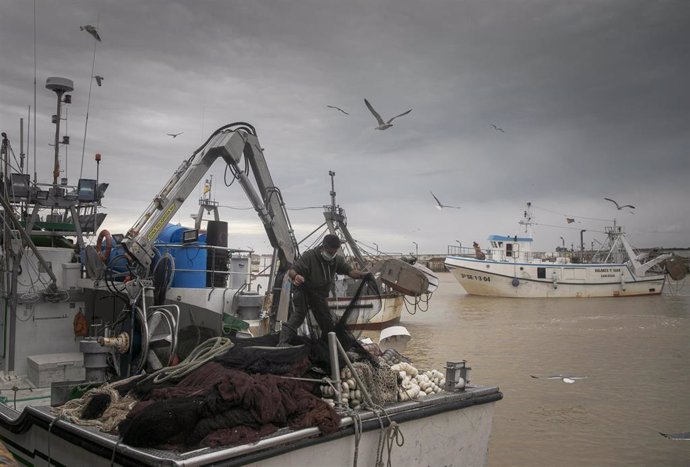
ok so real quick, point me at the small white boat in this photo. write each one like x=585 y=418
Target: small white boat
x=511 y=269
x=394 y=337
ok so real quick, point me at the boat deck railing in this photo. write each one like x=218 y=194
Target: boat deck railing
x=561 y=256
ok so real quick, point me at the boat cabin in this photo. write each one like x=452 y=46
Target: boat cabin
x=509 y=248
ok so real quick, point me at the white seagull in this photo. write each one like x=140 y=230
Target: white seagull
x=497 y=128
x=565 y=378
x=99 y=79
x=383 y=125
x=337 y=108
x=91 y=30
x=619 y=206
x=440 y=205
x=175 y=135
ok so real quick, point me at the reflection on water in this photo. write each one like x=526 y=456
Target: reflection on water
x=634 y=352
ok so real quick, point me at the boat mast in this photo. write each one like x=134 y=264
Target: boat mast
x=337 y=222
x=60 y=86
x=527 y=219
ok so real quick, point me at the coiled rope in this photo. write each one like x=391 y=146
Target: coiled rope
x=204 y=352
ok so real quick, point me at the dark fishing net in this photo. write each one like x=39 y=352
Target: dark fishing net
x=96 y=406
x=260 y=355
x=320 y=320
x=165 y=423
x=215 y=405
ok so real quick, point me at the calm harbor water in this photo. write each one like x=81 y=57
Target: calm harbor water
x=634 y=352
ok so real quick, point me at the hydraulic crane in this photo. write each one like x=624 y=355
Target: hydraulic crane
x=233 y=143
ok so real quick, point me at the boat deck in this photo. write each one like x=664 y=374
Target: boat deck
x=106 y=447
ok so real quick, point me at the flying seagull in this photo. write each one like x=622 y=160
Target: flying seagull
x=383 y=125
x=337 y=108
x=175 y=135
x=619 y=206
x=440 y=205
x=91 y=30
x=99 y=79
x=497 y=128
x=565 y=378
x=684 y=436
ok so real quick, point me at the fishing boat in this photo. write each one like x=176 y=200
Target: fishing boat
x=400 y=285
x=509 y=268
x=64 y=345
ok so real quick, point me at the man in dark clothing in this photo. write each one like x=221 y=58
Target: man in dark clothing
x=313 y=274
x=478 y=253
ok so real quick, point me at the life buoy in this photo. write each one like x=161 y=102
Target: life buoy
x=103 y=256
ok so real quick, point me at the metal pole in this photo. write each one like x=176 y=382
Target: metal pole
x=582 y=243
x=21 y=145
x=335 y=365
x=56 y=165
x=332 y=175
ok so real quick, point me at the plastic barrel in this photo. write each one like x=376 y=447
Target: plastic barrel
x=190 y=259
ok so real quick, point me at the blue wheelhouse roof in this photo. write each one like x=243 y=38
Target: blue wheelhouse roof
x=505 y=238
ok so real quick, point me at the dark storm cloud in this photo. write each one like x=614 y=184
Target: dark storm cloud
x=592 y=97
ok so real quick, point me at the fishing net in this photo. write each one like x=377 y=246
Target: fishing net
x=211 y=404
x=342 y=325
x=381 y=382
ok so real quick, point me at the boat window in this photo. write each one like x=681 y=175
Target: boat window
x=509 y=249
x=541 y=273
x=19 y=185
x=86 y=189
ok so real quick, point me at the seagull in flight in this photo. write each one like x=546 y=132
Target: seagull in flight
x=618 y=205
x=684 y=436
x=497 y=128
x=440 y=205
x=565 y=378
x=337 y=108
x=91 y=30
x=99 y=79
x=383 y=125
x=175 y=135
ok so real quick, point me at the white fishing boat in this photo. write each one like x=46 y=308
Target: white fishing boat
x=62 y=339
x=509 y=268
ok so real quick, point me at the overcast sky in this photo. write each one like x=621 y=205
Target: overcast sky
x=593 y=98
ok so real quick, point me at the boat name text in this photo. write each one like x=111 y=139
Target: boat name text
x=475 y=278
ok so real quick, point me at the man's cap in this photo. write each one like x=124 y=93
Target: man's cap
x=331 y=241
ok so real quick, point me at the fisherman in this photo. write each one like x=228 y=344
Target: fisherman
x=313 y=275
x=478 y=253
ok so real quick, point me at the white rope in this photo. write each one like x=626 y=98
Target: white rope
x=203 y=353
